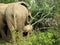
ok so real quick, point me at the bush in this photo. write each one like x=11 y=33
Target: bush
x=7 y=1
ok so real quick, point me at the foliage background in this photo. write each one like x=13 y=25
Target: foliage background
x=48 y=37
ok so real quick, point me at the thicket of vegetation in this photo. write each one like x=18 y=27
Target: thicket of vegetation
x=47 y=15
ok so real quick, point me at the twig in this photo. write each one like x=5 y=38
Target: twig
x=37 y=13
x=43 y=16
x=45 y=27
x=40 y=19
x=35 y=16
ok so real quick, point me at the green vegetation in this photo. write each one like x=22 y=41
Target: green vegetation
x=7 y=1
x=49 y=37
x=41 y=8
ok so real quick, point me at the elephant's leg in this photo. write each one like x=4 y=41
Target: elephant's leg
x=11 y=28
x=9 y=34
x=20 y=33
x=4 y=37
x=20 y=26
x=7 y=31
x=1 y=26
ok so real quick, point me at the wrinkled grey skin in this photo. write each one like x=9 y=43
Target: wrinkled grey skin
x=16 y=15
x=2 y=26
x=2 y=22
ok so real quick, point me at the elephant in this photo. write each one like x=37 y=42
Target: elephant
x=15 y=15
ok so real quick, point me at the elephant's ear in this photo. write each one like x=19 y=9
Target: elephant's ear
x=24 y=4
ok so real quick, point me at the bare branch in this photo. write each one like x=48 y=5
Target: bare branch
x=37 y=13
x=45 y=27
x=40 y=19
x=43 y=16
x=35 y=16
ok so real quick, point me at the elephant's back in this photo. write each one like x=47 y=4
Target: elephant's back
x=17 y=9
x=3 y=7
